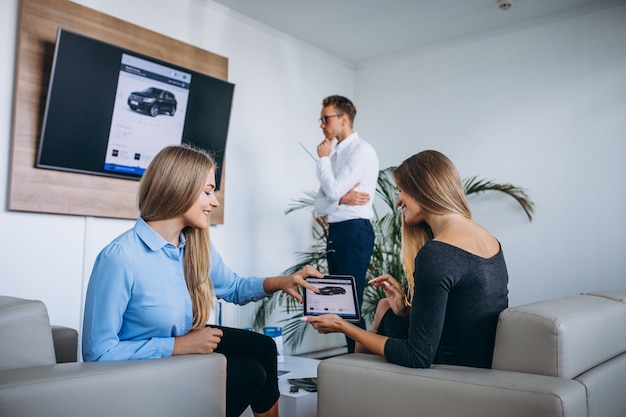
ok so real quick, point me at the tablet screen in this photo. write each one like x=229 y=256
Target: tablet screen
x=337 y=295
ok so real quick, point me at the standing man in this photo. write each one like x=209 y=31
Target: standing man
x=347 y=185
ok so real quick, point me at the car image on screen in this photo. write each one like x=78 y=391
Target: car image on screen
x=332 y=290
x=153 y=101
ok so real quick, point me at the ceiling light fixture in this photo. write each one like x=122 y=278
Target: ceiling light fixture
x=504 y=4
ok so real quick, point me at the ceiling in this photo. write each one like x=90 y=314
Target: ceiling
x=362 y=31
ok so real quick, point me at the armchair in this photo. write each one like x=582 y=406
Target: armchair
x=39 y=374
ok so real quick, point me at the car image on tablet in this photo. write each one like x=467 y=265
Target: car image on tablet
x=332 y=291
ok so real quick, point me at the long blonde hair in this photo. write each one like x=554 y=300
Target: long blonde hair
x=169 y=187
x=431 y=179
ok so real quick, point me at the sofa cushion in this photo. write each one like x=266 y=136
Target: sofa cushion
x=185 y=385
x=367 y=385
x=25 y=334
x=563 y=337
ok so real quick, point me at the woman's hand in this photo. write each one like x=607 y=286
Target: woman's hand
x=366 y=340
x=326 y=323
x=290 y=283
x=204 y=340
x=394 y=293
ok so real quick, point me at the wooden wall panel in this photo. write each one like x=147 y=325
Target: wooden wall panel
x=41 y=190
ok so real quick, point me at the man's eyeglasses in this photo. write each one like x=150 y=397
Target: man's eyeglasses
x=324 y=119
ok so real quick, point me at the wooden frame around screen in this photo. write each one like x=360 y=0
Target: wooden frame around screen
x=47 y=191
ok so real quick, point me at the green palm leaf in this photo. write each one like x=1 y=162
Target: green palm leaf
x=474 y=186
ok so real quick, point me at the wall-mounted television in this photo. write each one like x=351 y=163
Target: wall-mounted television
x=110 y=110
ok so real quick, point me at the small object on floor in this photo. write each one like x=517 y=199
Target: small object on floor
x=309 y=384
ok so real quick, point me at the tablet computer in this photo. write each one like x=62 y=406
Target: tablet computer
x=337 y=295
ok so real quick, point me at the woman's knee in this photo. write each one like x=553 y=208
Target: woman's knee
x=382 y=307
x=383 y=303
x=245 y=374
x=267 y=344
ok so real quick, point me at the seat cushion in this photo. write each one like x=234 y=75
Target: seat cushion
x=25 y=334
x=365 y=385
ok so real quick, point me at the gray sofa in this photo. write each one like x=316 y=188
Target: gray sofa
x=562 y=357
x=39 y=375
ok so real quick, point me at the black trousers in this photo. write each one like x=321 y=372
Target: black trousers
x=350 y=247
x=251 y=371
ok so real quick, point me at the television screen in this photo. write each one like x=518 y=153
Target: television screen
x=110 y=110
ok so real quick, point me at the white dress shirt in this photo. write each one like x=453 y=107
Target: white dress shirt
x=354 y=161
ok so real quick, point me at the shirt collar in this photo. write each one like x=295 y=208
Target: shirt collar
x=347 y=141
x=152 y=239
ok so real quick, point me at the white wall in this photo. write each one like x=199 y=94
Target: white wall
x=543 y=108
x=280 y=84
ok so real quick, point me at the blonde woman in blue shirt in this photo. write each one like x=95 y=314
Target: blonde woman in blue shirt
x=151 y=289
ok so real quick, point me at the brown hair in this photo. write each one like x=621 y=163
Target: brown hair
x=169 y=187
x=431 y=179
x=342 y=104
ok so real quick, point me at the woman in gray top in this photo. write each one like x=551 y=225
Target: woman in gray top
x=457 y=277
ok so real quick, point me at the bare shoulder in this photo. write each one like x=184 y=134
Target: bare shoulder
x=473 y=238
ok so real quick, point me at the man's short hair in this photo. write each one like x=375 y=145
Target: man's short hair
x=342 y=104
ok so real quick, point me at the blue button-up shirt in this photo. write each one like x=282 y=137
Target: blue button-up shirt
x=137 y=299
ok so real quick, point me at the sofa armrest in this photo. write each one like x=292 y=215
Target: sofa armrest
x=367 y=385
x=190 y=385
x=65 y=344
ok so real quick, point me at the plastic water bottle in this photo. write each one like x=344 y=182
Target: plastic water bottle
x=276 y=333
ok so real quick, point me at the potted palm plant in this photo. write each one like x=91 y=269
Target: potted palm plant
x=385 y=258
